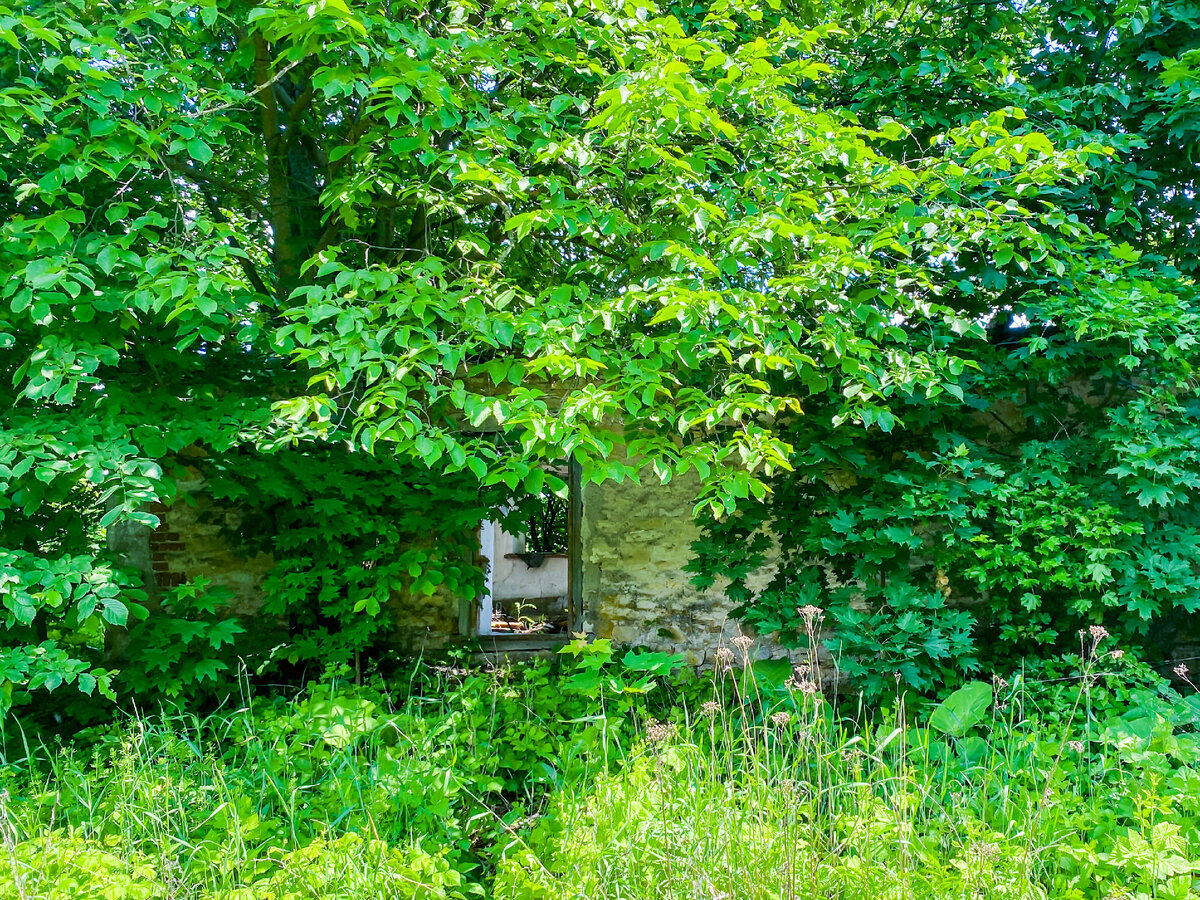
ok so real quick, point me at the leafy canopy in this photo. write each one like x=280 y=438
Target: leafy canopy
x=1053 y=485
x=469 y=237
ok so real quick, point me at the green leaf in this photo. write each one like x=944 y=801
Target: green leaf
x=962 y=710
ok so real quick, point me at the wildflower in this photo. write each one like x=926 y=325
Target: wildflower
x=658 y=732
x=1098 y=633
x=1182 y=670
x=1076 y=746
x=743 y=642
x=723 y=658
x=801 y=671
x=780 y=719
x=811 y=614
x=999 y=682
x=804 y=686
x=710 y=708
x=1117 y=654
x=983 y=852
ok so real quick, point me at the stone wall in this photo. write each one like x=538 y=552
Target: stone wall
x=190 y=542
x=424 y=622
x=636 y=541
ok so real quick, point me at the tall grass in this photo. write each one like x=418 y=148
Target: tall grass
x=771 y=796
x=512 y=786
x=395 y=799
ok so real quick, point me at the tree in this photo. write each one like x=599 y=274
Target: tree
x=470 y=237
x=1061 y=491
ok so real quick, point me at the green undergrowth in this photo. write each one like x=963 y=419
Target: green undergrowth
x=604 y=776
x=417 y=783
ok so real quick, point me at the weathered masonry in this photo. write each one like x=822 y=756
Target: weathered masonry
x=619 y=575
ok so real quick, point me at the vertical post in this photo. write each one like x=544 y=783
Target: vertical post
x=487 y=547
x=574 y=547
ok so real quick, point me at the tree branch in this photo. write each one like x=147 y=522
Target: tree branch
x=244 y=260
x=263 y=85
x=185 y=168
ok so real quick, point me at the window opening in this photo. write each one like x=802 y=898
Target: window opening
x=530 y=581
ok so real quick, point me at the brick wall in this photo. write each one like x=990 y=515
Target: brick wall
x=166 y=545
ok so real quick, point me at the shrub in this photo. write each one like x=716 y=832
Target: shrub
x=58 y=865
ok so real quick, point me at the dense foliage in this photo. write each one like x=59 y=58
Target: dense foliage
x=472 y=238
x=1053 y=485
x=585 y=778
x=906 y=288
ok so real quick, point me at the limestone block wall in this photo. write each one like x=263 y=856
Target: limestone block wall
x=424 y=622
x=636 y=540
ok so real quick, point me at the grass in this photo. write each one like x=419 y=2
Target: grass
x=525 y=785
x=772 y=796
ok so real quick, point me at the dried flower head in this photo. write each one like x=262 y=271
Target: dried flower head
x=723 y=658
x=1098 y=633
x=1117 y=654
x=811 y=614
x=801 y=671
x=710 y=708
x=743 y=642
x=1076 y=746
x=658 y=732
x=998 y=682
x=803 y=685
x=983 y=852
x=780 y=719
x=1182 y=670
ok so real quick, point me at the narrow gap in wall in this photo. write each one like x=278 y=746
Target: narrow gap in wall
x=529 y=563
